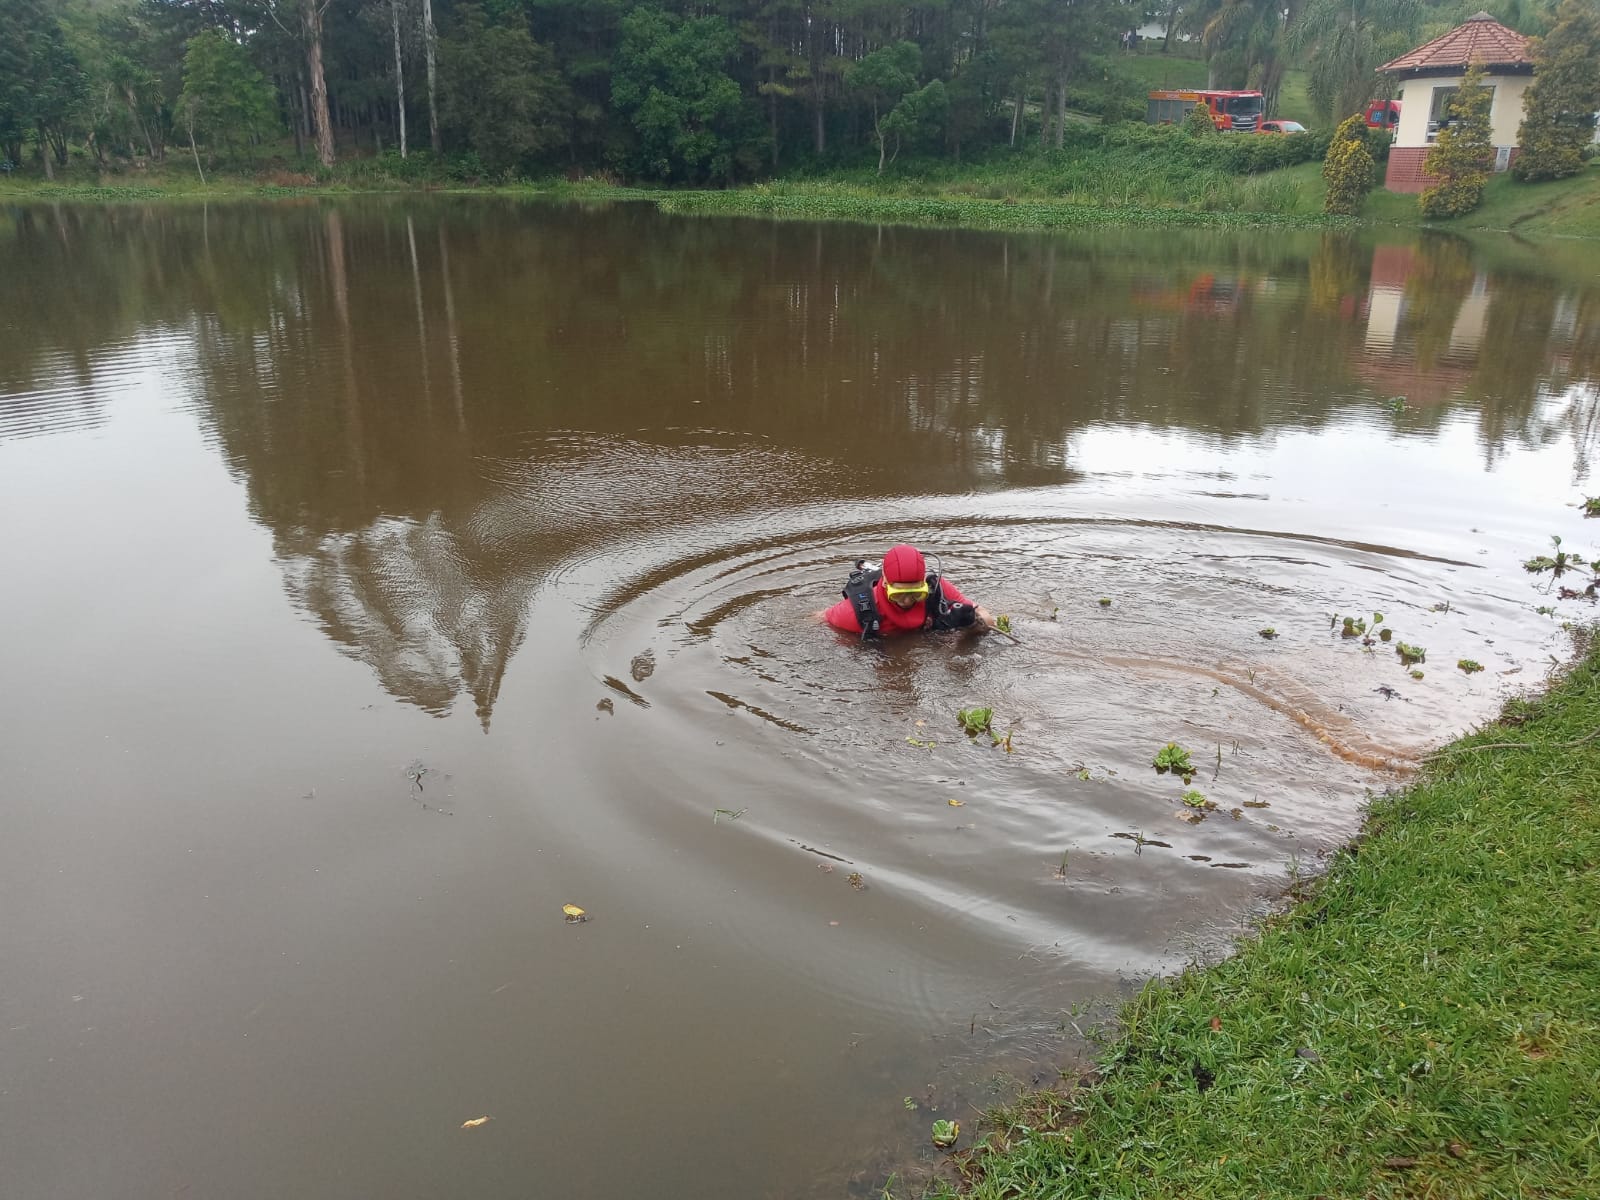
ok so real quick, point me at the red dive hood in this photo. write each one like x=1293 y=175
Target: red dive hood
x=904 y=564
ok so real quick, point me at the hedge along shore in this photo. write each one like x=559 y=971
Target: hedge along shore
x=1423 y=1022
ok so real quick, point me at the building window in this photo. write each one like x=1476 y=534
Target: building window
x=1442 y=96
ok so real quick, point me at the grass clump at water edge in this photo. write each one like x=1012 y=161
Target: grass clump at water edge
x=1425 y=1021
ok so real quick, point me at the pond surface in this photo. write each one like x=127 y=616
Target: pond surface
x=385 y=574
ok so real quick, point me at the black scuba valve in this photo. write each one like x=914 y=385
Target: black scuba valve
x=956 y=615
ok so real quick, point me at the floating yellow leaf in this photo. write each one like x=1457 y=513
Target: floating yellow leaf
x=574 y=913
x=956 y=803
x=475 y=1122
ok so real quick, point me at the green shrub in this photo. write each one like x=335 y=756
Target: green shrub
x=1459 y=159
x=1347 y=168
x=1198 y=122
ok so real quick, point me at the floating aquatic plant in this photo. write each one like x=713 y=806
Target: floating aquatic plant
x=1173 y=757
x=975 y=720
x=1556 y=564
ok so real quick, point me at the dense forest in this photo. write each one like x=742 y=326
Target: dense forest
x=665 y=90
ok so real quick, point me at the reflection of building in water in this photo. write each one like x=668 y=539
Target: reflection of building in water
x=1410 y=301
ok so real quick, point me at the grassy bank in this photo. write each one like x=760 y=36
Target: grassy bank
x=1425 y=1022
x=1124 y=175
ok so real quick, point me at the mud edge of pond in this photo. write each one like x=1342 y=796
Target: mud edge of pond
x=1421 y=1018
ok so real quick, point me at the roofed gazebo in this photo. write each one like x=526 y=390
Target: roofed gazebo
x=1431 y=74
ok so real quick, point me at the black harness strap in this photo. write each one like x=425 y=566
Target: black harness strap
x=858 y=590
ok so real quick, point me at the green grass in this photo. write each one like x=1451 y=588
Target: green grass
x=1294 y=103
x=1107 y=177
x=843 y=202
x=1564 y=208
x=1157 y=71
x=1424 y=1022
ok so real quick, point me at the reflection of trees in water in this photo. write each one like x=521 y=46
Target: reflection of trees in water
x=405 y=598
x=386 y=377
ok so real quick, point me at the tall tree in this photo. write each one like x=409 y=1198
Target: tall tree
x=42 y=84
x=1559 y=109
x=1047 y=42
x=430 y=46
x=399 y=76
x=1252 y=34
x=225 y=99
x=671 y=83
x=501 y=94
x=772 y=32
x=882 y=77
x=311 y=12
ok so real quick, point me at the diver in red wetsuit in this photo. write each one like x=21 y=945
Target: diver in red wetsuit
x=902 y=597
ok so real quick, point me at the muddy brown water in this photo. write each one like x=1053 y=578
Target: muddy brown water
x=383 y=575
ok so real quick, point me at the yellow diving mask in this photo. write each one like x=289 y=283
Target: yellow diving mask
x=906 y=591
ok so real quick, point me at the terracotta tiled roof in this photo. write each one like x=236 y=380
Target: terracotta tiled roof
x=1481 y=38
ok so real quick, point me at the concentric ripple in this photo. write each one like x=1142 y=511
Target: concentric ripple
x=1063 y=847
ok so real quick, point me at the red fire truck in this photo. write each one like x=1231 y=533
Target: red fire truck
x=1239 y=111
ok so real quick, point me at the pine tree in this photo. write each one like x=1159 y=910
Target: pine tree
x=1558 y=117
x=1459 y=160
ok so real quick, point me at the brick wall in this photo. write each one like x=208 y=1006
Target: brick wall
x=1405 y=173
x=1405 y=169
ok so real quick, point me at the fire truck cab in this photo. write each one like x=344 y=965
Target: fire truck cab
x=1238 y=111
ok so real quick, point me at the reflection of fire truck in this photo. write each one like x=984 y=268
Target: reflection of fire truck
x=1239 y=111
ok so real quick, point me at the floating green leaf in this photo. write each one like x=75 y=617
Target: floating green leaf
x=1469 y=666
x=945 y=1133
x=1173 y=757
x=975 y=720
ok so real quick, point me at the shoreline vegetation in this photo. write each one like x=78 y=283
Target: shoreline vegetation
x=1134 y=180
x=1423 y=1021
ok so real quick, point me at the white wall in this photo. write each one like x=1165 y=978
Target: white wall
x=1416 y=96
x=1157 y=31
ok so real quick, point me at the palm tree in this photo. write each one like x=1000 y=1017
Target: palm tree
x=1252 y=32
x=1344 y=41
